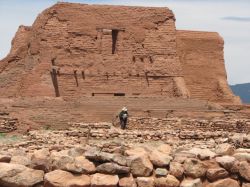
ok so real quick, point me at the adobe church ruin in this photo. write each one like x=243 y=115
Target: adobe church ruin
x=89 y=50
x=50 y=88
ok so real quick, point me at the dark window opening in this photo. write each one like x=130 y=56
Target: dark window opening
x=151 y=60
x=55 y=82
x=119 y=94
x=133 y=58
x=83 y=75
x=76 y=78
x=114 y=40
x=53 y=61
x=108 y=94
x=146 y=75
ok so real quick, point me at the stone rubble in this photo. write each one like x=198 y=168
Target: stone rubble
x=91 y=166
x=103 y=155
x=80 y=133
x=7 y=123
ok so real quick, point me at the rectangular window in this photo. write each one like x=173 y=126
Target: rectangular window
x=114 y=40
x=119 y=94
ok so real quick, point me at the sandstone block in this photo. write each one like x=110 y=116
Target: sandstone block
x=76 y=151
x=112 y=168
x=225 y=149
x=15 y=175
x=79 y=181
x=242 y=150
x=194 y=168
x=136 y=151
x=92 y=153
x=242 y=156
x=120 y=159
x=59 y=178
x=182 y=156
x=84 y=166
x=145 y=182
x=164 y=148
x=176 y=169
x=127 y=182
x=105 y=157
x=191 y=183
x=214 y=174
x=41 y=160
x=140 y=166
x=203 y=154
x=159 y=159
x=169 y=181
x=244 y=170
x=161 y=172
x=224 y=183
x=237 y=139
x=100 y=180
x=226 y=162
x=61 y=160
x=98 y=156
x=235 y=168
x=23 y=160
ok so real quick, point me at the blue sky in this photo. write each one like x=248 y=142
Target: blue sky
x=231 y=18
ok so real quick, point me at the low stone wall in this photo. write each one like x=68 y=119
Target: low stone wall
x=82 y=133
x=230 y=125
x=235 y=131
x=7 y=124
x=89 y=166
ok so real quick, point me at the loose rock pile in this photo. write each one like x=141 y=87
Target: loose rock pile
x=140 y=166
x=7 y=124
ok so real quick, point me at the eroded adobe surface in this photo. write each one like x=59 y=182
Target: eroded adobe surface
x=75 y=50
x=202 y=59
x=95 y=49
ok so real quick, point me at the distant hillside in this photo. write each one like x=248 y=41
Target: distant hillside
x=242 y=90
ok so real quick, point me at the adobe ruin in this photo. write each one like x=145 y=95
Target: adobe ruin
x=67 y=76
x=75 y=50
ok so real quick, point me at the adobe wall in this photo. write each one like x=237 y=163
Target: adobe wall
x=89 y=49
x=77 y=50
x=202 y=58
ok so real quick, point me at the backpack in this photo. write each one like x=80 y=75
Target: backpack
x=124 y=116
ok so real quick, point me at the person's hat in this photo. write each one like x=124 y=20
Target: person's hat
x=124 y=109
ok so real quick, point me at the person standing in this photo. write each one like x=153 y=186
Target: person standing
x=123 y=116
